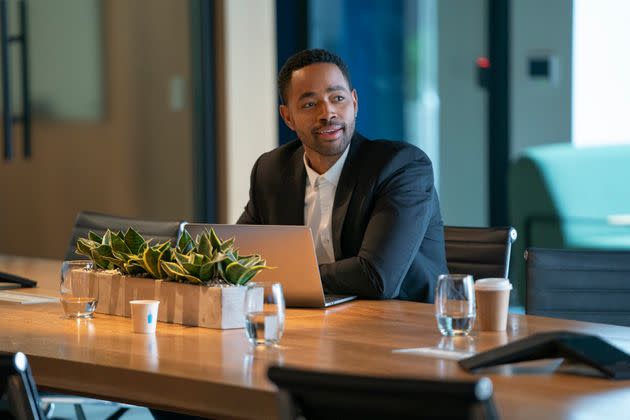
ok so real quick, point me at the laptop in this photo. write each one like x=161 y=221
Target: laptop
x=288 y=248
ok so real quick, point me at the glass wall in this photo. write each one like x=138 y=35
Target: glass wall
x=391 y=50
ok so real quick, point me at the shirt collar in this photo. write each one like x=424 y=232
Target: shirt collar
x=332 y=175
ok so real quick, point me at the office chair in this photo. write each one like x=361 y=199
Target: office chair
x=482 y=252
x=99 y=223
x=581 y=285
x=18 y=394
x=317 y=395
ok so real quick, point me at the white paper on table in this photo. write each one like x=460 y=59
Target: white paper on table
x=25 y=298
x=436 y=352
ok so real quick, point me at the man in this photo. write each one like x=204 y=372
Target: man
x=371 y=205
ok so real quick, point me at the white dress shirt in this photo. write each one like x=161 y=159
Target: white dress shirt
x=318 y=203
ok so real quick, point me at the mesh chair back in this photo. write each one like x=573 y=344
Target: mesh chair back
x=482 y=252
x=99 y=223
x=580 y=285
x=317 y=395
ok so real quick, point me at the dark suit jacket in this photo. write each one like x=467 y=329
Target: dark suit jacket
x=388 y=235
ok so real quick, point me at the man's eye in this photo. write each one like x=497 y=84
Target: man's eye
x=308 y=105
x=339 y=98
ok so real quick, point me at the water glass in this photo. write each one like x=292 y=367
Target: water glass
x=455 y=304
x=79 y=289
x=264 y=313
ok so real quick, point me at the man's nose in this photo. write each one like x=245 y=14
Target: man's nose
x=327 y=111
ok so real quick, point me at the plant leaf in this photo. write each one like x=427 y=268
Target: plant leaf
x=251 y=260
x=95 y=237
x=207 y=271
x=246 y=277
x=99 y=254
x=204 y=247
x=107 y=238
x=134 y=268
x=119 y=245
x=151 y=257
x=163 y=246
x=192 y=269
x=134 y=240
x=234 y=271
x=214 y=239
x=197 y=259
x=185 y=243
x=174 y=271
x=228 y=245
x=180 y=258
x=85 y=247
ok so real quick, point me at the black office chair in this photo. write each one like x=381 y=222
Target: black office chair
x=317 y=395
x=18 y=394
x=99 y=223
x=482 y=252
x=580 y=285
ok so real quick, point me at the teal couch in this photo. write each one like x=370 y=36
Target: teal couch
x=560 y=196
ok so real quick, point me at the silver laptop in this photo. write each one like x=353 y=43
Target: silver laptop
x=288 y=248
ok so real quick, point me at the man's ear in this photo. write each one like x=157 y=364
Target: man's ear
x=286 y=116
x=355 y=99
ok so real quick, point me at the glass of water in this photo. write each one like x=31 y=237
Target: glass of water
x=455 y=304
x=79 y=289
x=264 y=313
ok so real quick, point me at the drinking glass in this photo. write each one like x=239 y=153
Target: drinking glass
x=455 y=304
x=79 y=289
x=264 y=313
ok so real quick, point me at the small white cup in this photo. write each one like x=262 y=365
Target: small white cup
x=144 y=315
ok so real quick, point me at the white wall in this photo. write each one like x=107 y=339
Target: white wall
x=541 y=109
x=601 y=87
x=249 y=100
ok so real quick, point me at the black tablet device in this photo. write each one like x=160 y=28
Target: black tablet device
x=587 y=349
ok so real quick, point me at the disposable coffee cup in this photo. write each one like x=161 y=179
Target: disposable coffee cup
x=144 y=315
x=493 y=299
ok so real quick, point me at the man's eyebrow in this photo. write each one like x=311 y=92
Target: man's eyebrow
x=306 y=95
x=336 y=87
x=329 y=89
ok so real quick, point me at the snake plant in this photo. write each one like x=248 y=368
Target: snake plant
x=207 y=260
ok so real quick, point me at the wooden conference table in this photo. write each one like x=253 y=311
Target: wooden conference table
x=216 y=373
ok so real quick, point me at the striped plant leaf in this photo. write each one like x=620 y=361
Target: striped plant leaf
x=119 y=245
x=185 y=243
x=151 y=258
x=133 y=240
x=107 y=238
x=95 y=237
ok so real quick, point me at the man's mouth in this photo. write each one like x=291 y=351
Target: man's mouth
x=329 y=132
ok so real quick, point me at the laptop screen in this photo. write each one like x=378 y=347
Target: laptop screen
x=289 y=249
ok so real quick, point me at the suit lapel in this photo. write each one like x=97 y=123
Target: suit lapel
x=293 y=203
x=345 y=188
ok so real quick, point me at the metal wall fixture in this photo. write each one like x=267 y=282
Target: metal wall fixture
x=9 y=119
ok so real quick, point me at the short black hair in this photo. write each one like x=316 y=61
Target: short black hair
x=305 y=58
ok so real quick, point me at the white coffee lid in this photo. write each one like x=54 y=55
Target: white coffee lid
x=493 y=284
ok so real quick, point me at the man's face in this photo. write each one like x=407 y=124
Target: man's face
x=321 y=109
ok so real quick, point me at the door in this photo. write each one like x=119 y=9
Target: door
x=111 y=128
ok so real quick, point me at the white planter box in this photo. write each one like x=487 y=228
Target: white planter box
x=187 y=304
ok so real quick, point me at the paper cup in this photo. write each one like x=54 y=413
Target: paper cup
x=144 y=315
x=493 y=300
